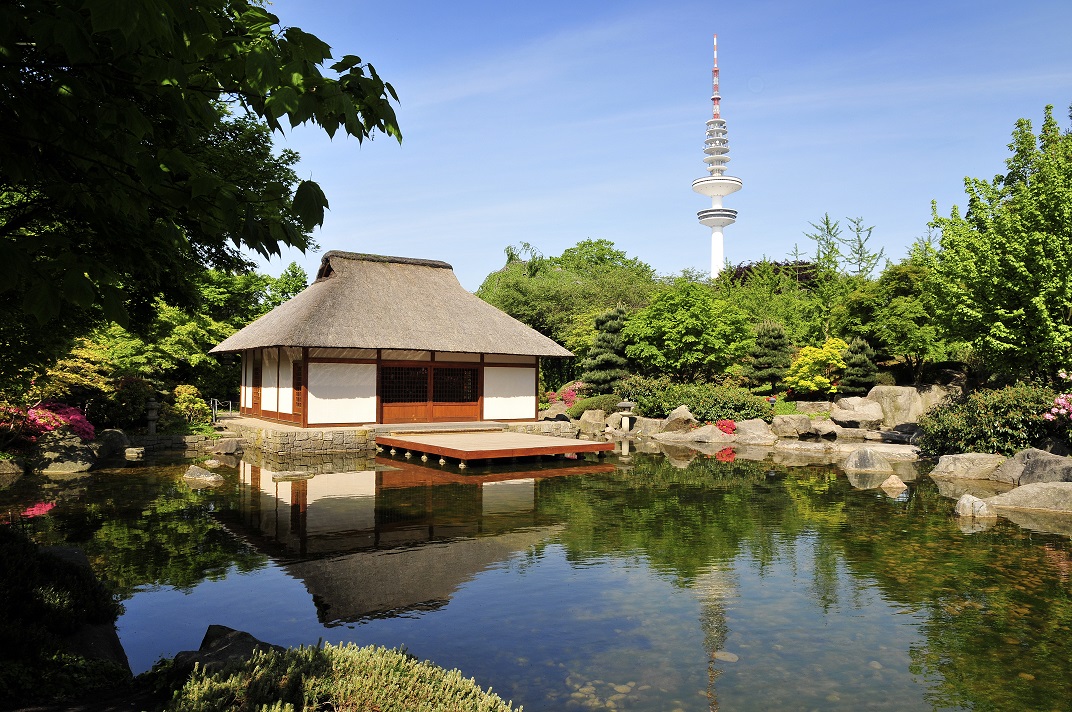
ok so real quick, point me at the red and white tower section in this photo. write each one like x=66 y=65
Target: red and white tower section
x=717 y=185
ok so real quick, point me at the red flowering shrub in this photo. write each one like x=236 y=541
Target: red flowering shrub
x=43 y=418
x=727 y=426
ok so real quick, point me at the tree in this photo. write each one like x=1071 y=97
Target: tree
x=606 y=363
x=816 y=370
x=288 y=284
x=772 y=291
x=859 y=259
x=687 y=333
x=113 y=190
x=1003 y=275
x=770 y=356
x=860 y=371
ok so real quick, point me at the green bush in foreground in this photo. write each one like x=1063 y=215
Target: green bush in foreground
x=1003 y=421
x=657 y=397
x=46 y=598
x=344 y=678
x=606 y=403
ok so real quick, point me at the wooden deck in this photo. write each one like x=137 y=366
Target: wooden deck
x=488 y=445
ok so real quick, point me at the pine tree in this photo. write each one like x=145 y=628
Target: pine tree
x=860 y=371
x=770 y=356
x=606 y=363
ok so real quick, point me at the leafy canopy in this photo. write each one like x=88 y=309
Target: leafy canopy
x=1003 y=275
x=110 y=190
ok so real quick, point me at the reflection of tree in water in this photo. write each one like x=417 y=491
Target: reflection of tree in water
x=147 y=527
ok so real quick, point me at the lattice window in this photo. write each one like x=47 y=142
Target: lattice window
x=455 y=385
x=402 y=384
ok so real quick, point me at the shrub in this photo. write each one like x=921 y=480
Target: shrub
x=344 y=677
x=770 y=355
x=815 y=370
x=1003 y=421
x=606 y=403
x=28 y=424
x=860 y=370
x=46 y=598
x=190 y=404
x=656 y=397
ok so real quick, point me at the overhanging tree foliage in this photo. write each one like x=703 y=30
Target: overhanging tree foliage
x=1003 y=276
x=109 y=192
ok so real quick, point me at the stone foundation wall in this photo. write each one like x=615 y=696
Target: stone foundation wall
x=556 y=428
x=296 y=443
x=309 y=464
x=188 y=445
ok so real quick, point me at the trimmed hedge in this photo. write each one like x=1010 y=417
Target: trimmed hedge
x=606 y=403
x=657 y=397
x=1002 y=421
x=344 y=677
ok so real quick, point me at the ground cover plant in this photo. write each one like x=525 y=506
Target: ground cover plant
x=345 y=678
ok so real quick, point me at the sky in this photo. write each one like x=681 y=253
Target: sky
x=555 y=122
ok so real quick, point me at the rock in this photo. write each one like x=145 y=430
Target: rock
x=134 y=453
x=905 y=404
x=202 y=476
x=1055 y=522
x=614 y=421
x=553 y=411
x=647 y=426
x=109 y=443
x=227 y=446
x=1050 y=496
x=792 y=426
x=971 y=506
x=679 y=456
x=826 y=429
x=1030 y=466
x=10 y=471
x=893 y=486
x=211 y=464
x=856 y=434
x=954 y=487
x=680 y=419
x=754 y=432
x=970 y=465
x=797 y=453
x=891 y=451
x=867 y=459
x=814 y=406
x=705 y=434
x=593 y=422
x=63 y=452
x=857 y=413
x=866 y=480
x=220 y=646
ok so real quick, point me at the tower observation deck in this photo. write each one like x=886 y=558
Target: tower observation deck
x=717 y=184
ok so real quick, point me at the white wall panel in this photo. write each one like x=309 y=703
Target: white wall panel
x=342 y=393
x=269 y=382
x=509 y=393
x=286 y=382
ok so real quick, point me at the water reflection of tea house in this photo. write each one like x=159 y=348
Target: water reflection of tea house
x=378 y=541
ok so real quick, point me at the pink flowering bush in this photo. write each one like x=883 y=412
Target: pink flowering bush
x=31 y=423
x=572 y=392
x=727 y=426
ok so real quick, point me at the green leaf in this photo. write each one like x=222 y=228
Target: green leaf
x=309 y=204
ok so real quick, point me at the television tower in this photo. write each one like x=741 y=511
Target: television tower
x=717 y=185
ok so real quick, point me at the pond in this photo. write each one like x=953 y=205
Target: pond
x=656 y=584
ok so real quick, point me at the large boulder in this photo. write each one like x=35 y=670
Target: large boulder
x=220 y=647
x=705 y=434
x=111 y=442
x=593 y=422
x=970 y=465
x=857 y=413
x=814 y=406
x=553 y=411
x=754 y=432
x=1033 y=465
x=10 y=470
x=1050 y=496
x=792 y=426
x=867 y=459
x=680 y=419
x=905 y=404
x=826 y=429
x=227 y=446
x=647 y=426
x=62 y=452
x=971 y=506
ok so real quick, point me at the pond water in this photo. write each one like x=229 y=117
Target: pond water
x=599 y=585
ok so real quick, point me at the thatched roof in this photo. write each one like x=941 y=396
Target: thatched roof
x=377 y=302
